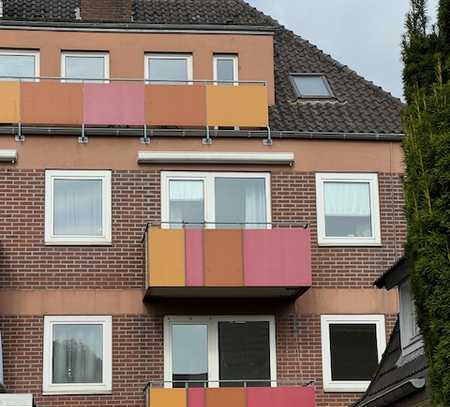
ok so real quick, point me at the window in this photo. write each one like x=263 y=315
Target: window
x=77 y=354
x=222 y=200
x=411 y=339
x=347 y=209
x=78 y=207
x=352 y=346
x=311 y=86
x=226 y=69
x=219 y=351
x=174 y=69
x=86 y=66
x=19 y=63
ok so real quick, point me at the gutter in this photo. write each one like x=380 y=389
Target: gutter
x=194 y=133
x=134 y=27
x=393 y=394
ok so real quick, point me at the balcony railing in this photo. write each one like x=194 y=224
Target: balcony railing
x=247 y=396
x=55 y=101
x=227 y=263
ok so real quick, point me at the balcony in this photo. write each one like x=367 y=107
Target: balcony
x=227 y=263
x=230 y=396
x=128 y=102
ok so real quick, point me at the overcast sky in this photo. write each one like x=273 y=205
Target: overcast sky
x=363 y=34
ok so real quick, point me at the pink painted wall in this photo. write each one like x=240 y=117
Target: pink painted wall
x=280 y=397
x=196 y=398
x=114 y=104
x=277 y=257
x=194 y=257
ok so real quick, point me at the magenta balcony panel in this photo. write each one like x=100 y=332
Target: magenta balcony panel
x=280 y=396
x=194 y=258
x=114 y=104
x=196 y=397
x=277 y=257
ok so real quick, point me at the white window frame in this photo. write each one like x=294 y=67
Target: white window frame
x=410 y=336
x=208 y=192
x=235 y=60
x=21 y=52
x=330 y=385
x=50 y=237
x=77 y=388
x=86 y=54
x=212 y=323
x=372 y=180
x=186 y=57
x=311 y=75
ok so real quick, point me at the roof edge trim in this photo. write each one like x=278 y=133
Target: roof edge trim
x=135 y=27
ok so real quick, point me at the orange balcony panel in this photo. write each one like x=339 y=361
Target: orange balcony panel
x=223 y=258
x=175 y=105
x=244 y=106
x=167 y=397
x=166 y=255
x=281 y=397
x=9 y=102
x=226 y=397
x=52 y=103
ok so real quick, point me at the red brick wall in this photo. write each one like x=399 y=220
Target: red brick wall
x=25 y=262
x=138 y=358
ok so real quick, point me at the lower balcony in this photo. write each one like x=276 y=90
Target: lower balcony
x=301 y=396
x=227 y=263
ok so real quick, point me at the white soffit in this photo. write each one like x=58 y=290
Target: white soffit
x=189 y=157
x=9 y=156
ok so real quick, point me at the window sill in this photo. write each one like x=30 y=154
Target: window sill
x=346 y=387
x=76 y=392
x=334 y=243
x=78 y=242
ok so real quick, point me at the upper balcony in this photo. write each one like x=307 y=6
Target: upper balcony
x=53 y=102
x=227 y=263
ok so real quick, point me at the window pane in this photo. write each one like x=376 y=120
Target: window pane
x=311 y=86
x=189 y=354
x=244 y=352
x=17 y=65
x=85 y=67
x=77 y=353
x=77 y=207
x=354 y=351
x=225 y=69
x=347 y=209
x=240 y=202
x=186 y=203
x=168 y=69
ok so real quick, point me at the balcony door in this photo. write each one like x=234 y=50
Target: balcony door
x=219 y=351
x=215 y=200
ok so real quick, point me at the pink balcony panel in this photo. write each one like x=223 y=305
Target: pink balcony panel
x=277 y=257
x=280 y=397
x=194 y=258
x=114 y=104
x=196 y=397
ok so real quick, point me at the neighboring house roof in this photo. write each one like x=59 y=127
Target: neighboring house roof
x=393 y=380
x=358 y=107
x=394 y=275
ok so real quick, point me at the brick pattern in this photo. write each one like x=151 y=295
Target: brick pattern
x=138 y=358
x=294 y=199
x=25 y=262
x=106 y=10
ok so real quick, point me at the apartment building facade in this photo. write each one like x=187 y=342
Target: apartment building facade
x=194 y=203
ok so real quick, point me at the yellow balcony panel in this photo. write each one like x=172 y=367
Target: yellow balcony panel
x=9 y=102
x=166 y=255
x=244 y=106
x=167 y=397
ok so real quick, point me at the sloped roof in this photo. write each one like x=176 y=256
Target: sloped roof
x=359 y=106
x=391 y=375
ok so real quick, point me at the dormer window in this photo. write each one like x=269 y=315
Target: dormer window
x=311 y=86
